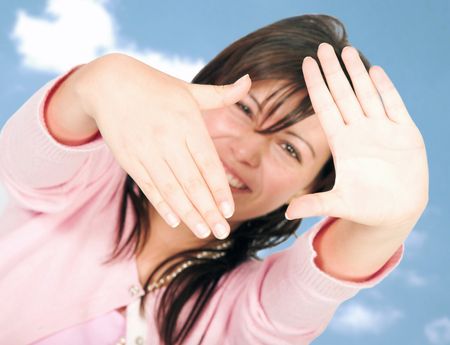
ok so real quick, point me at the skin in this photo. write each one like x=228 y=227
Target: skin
x=272 y=172
x=77 y=113
x=381 y=186
x=382 y=179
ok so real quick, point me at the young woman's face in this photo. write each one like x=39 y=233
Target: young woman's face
x=274 y=167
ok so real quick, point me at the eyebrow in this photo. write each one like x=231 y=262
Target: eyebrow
x=256 y=101
x=288 y=132
x=308 y=144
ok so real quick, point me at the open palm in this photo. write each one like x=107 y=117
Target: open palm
x=378 y=152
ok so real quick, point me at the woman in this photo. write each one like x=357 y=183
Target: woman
x=117 y=143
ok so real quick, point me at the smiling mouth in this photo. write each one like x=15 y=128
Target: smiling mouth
x=235 y=183
x=239 y=190
x=236 y=186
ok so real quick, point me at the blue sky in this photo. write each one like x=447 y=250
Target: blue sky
x=40 y=39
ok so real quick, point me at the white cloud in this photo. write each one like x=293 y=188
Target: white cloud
x=415 y=279
x=356 y=318
x=74 y=32
x=438 y=331
x=411 y=277
x=176 y=66
x=375 y=294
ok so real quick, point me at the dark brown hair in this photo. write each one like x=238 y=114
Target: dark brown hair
x=274 y=52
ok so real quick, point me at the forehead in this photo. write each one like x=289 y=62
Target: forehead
x=267 y=87
x=269 y=93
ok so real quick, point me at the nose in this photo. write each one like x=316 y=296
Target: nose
x=249 y=148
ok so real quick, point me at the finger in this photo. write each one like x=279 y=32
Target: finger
x=174 y=195
x=217 y=96
x=337 y=82
x=139 y=174
x=187 y=173
x=317 y=204
x=365 y=90
x=321 y=100
x=203 y=152
x=393 y=103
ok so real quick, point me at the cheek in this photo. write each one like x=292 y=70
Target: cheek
x=280 y=184
x=220 y=122
x=212 y=128
x=213 y=118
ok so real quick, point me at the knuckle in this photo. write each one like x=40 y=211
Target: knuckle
x=326 y=108
x=396 y=108
x=161 y=205
x=150 y=188
x=222 y=192
x=359 y=73
x=209 y=164
x=220 y=90
x=342 y=96
x=334 y=72
x=169 y=189
x=190 y=214
x=211 y=214
x=193 y=184
x=369 y=94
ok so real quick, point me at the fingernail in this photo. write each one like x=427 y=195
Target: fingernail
x=225 y=207
x=172 y=220
x=202 y=230
x=241 y=79
x=221 y=230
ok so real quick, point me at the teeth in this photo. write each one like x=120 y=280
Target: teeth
x=235 y=182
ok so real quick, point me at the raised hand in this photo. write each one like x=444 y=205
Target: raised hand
x=152 y=123
x=378 y=152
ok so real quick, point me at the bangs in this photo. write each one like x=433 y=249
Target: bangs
x=301 y=111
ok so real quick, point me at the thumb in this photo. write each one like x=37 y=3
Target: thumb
x=217 y=96
x=315 y=205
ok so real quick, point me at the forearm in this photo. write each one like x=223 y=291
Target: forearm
x=70 y=115
x=354 y=252
x=65 y=117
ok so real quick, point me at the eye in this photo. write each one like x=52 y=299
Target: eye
x=292 y=151
x=290 y=148
x=244 y=108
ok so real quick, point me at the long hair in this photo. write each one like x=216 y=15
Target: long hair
x=274 y=52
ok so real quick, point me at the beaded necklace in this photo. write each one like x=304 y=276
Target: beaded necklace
x=156 y=285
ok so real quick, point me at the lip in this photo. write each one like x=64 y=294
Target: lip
x=227 y=168
x=236 y=190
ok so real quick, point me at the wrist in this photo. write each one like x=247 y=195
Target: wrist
x=93 y=84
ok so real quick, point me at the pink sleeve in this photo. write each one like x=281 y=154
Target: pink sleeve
x=40 y=173
x=290 y=300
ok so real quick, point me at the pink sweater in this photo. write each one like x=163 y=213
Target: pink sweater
x=60 y=224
